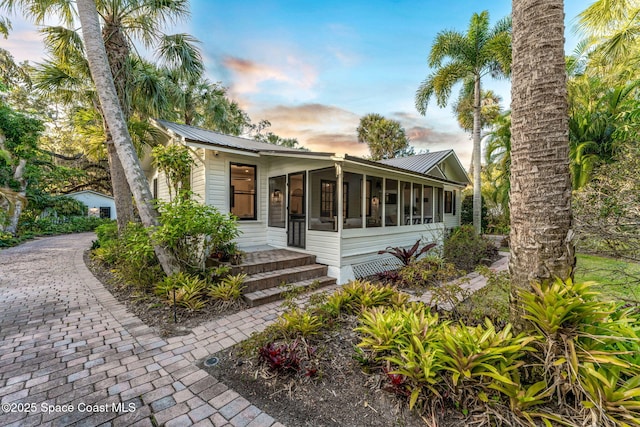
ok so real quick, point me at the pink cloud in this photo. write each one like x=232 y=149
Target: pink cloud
x=290 y=76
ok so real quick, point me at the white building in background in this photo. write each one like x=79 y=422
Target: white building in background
x=100 y=205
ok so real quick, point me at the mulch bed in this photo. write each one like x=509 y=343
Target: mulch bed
x=340 y=394
x=153 y=310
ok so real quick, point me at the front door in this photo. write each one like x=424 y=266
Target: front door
x=297 y=218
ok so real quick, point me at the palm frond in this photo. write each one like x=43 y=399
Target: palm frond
x=5 y=26
x=63 y=42
x=447 y=45
x=179 y=52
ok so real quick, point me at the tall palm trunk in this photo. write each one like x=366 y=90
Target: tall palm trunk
x=117 y=49
x=122 y=195
x=477 y=189
x=103 y=80
x=541 y=246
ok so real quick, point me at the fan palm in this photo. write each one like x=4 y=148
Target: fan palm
x=467 y=58
x=614 y=27
x=123 y=21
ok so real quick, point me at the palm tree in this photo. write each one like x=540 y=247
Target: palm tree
x=469 y=57
x=614 y=28
x=599 y=115
x=123 y=20
x=541 y=221
x=103 y=79
x=498 y=161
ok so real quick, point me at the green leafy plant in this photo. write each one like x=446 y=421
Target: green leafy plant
x=427 y=273
x=228 y=291
x=189 y=290
x=175 y=161
x=297 y=322
x=131 y=256
x=358 y=295
x=194 y=231
x=466 y=249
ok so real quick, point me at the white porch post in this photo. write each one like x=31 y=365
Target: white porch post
x=340 y=201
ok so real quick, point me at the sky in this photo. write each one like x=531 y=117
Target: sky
x=313 y=68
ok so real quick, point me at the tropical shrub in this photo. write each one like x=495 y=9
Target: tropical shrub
x=131 y=255
x=466 y=249
x=189 y=290
x=228 y=291
x=358 y=295
x=590 y=349
x=466 y=211
x=193 y=231
x=427 y=272
x=407 y=256
x=175 y=161
x=299 y=323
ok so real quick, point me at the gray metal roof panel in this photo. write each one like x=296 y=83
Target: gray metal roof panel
x=197 y=134
x=421 y=163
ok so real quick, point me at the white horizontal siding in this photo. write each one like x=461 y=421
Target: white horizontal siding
x=325 y=246
x=252 y=233
x=198 y=172
x=277 y=237
x=362 y=245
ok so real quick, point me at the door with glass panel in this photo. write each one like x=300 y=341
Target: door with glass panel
x=297 y=219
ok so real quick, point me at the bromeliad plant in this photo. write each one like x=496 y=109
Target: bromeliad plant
x=189 y=290
x=590 y=350
x=358 y=295
x=407 y=256
x=228 y=291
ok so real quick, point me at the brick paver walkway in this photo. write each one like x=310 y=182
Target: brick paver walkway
x=70 y=354
x=64 y=340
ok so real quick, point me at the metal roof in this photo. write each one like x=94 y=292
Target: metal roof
x=196 y=134
x=421 y=163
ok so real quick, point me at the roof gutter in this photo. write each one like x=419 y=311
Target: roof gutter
x=221 y=148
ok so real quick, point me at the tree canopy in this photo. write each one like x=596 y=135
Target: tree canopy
x=386 y=138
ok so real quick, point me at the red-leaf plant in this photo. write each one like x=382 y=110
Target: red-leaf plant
x=286 y=358
x=406 y=256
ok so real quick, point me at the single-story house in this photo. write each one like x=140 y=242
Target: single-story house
x=342 y=209
x=99 y=204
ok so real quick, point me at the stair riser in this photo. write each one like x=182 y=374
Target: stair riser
x=273 y=265
x=253 y=302
x=258 y=284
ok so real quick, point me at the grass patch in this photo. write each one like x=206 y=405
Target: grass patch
x=615 y=278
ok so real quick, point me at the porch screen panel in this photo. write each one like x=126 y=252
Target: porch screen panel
x=417 y=204
x=439 y=205
x=374 y=217
x=427 y=205
x=391 y=202
x=277 y=197
x=323 y=207
x=353 y=200
x=243 y=191
x=405 y=193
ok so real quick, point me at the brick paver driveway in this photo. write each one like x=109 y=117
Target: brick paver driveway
x=71 y=354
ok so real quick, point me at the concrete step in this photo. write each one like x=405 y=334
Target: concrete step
x=275 y=278
x=265 y=261
x=268 y=295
